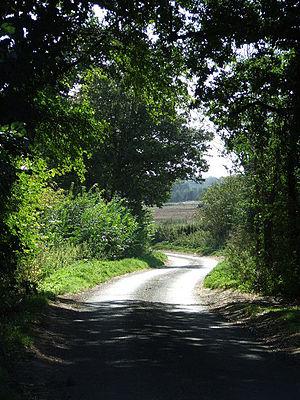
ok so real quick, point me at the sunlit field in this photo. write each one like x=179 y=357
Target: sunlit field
x=176 y=212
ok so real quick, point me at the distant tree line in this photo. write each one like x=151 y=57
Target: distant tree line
x=190 y=190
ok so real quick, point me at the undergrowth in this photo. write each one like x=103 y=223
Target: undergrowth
x=224 y=276
x=184 y=236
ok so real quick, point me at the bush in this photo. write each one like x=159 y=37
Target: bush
x=108 y=229
x=101 y=229
x=222 y=207
x=180 y=236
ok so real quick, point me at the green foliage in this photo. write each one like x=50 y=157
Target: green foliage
x=139 y=156
x=23 y=212
x=28 y=194
x=102 y=229
x=222 y=208
x=66 y=134
x=253 y=97
x=220 y=212
x=224 y=276
x=42 y=61
x=109 y=230
x=52 y=258
x=182 y=236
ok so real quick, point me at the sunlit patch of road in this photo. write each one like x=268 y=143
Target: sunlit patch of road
x=173 y=284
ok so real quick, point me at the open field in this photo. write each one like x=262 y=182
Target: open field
x=176 y=212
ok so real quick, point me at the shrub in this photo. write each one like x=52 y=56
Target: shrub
x=108 y=229
x=102 y=229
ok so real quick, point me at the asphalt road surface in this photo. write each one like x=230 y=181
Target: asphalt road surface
x=146 y=336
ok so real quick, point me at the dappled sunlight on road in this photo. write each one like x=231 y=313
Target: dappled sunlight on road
x=146 y=336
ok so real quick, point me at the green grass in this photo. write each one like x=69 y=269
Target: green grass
x=183 y=236
x=83 y=275
x=223 y=277
x=289 y=315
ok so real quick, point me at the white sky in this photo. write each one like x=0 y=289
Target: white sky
x=218 y=165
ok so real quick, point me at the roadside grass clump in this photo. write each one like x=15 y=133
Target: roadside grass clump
x=289 y=315
x=286 y=316
x=224 y=276
x=83 y=275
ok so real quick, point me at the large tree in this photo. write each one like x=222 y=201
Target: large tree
x=142 y=153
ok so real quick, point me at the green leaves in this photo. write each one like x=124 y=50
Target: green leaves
x=7 y=28
x=104 y=230
x=141 y=153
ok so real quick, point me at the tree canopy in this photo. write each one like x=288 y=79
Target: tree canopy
x=141 y=154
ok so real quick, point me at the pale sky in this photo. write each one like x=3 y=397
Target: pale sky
x=218 y=165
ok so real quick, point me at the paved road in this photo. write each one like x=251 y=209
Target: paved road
x=147 y=337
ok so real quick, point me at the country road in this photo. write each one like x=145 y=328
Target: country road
x=146 y=336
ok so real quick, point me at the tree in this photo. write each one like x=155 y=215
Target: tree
x=142 y=154
x=222 y=209
x=246 y=57
x=44 y=47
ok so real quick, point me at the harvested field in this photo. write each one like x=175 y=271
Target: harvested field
x=176 y=212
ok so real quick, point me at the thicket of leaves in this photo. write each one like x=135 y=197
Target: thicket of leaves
x=46 y=47
x=56 y=228
x=103 y=229
x=220 y=212
x=244 y=57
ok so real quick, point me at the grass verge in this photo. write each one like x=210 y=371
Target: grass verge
x=83 y=275
x=287 y=315
x=16 y=333
x=223 y=277
x=273 y=319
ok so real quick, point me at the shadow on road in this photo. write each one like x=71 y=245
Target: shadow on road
x=132 y=350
